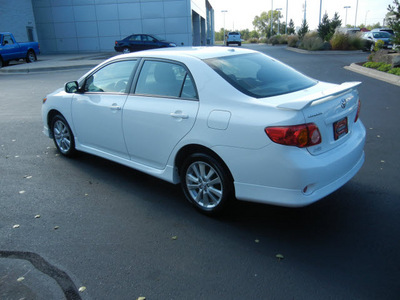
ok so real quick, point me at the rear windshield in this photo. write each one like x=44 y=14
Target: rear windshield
x=258 y=75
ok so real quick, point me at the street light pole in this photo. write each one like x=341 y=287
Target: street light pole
x=286 y=16
x=271 y=15
x=355 y=22
x=278 y=10
x=320 y=7
x=346 y=7
x=224 y=11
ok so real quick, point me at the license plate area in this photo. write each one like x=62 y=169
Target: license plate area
x=340 y=128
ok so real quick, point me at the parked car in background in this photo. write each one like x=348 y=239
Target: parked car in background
x=137 y=42
x=389 y=30
x=372 y=37
x=233 y=38
x=10 y=49
x=224 y=123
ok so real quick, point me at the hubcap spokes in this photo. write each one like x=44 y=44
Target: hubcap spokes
x=62 y=136
x=204 y=184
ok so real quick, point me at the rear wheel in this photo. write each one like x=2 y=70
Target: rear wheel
x=30 y=56
x=63 y=136
x=126 y=50
x=206 y=183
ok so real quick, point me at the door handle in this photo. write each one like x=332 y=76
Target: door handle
x=179 y=115
x=115 y=107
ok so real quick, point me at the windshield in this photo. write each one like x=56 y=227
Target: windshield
x=381 y=35
x=258 y=75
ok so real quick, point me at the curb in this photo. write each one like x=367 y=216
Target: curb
x=46 y=69
x=383 y=76
x=324 y=52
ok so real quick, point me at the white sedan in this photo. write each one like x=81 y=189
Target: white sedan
x=226 y=123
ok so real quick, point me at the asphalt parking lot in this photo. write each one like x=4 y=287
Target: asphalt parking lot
x=87 y=228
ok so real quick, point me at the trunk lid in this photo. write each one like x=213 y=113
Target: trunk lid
x=333 y=110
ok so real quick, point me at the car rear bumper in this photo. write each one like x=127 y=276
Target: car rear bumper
x=293 y=197
x=290 y=176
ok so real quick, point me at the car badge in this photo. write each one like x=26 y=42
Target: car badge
x=343 y=103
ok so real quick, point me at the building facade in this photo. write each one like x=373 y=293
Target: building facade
x=95 y=25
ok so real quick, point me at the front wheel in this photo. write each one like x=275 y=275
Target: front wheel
x=206 y=183
x=63 y=136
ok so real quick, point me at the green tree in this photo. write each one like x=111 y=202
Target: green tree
x=335 y=22
x=324 y=28
x=303 y=30
x=291 y=29
x=394 y=21
x=254 y=34
x=262 y=23
x=245 y=34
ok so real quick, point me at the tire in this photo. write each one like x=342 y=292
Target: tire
x=126 y=50
x=63 y=136
x=206 y=183
x=1 y=63
x=30 y=57
x=240 y=44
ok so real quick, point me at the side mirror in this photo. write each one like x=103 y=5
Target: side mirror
x=71 y=87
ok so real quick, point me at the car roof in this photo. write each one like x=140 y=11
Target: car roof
x=195 y=52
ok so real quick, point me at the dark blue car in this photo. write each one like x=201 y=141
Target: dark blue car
x=137 y=42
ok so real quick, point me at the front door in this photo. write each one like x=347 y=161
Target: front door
x=97 y=112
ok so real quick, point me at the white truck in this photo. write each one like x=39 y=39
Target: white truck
x=233 y=38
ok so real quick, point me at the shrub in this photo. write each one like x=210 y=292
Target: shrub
x=395 y=71
x=312 y=41
x=340 y=41
x=253 y=41
x=379 y=45
x=327 y=46
x=274 y=40
x=292 y=40
x=263 y=40
x=372 y=65
x=283 y=39
x=356 y=42
x=384 y=67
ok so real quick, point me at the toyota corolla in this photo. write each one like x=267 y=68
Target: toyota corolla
x=225 y=123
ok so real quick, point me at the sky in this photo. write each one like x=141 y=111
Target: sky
x=240 y=13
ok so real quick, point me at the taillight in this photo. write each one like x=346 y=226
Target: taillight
x=304 y=135
x=358 y=111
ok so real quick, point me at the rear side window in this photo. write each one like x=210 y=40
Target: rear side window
x=159 y=78
x=258 y=75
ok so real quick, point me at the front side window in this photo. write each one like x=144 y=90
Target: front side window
x=135 y=38
x=159 y=78
x=112 y=78
x=8 y=40
x=258 y=75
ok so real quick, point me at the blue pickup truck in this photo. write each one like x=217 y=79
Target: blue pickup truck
x=11 y=50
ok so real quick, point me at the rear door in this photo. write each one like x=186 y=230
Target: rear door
x=160 y=113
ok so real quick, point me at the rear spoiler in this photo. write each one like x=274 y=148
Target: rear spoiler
x=298 y=104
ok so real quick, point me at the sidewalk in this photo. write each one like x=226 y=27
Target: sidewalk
x=55 y=62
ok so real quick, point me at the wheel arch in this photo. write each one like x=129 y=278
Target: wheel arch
x=188 y=150
x=50 y=115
